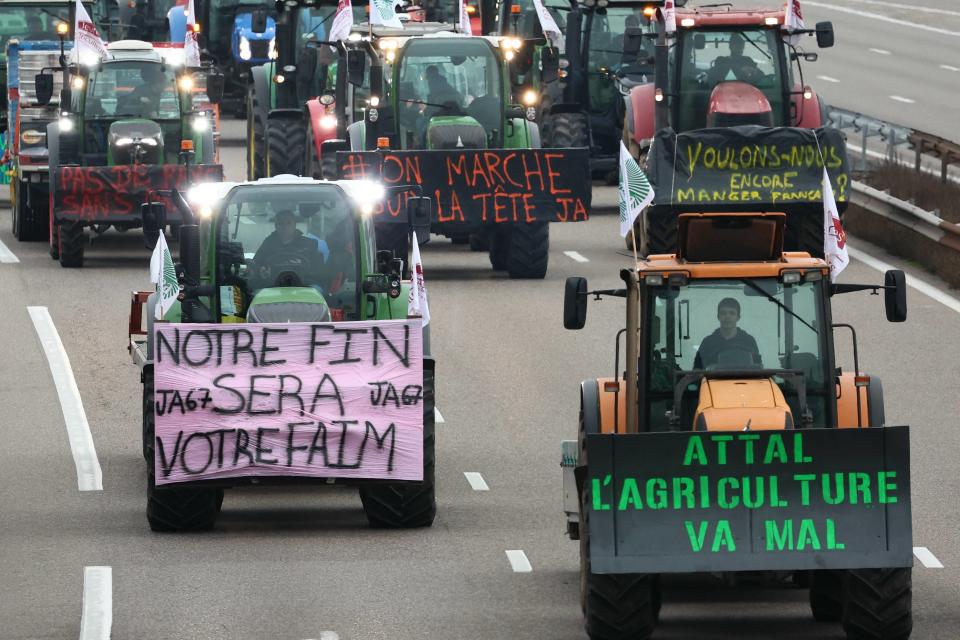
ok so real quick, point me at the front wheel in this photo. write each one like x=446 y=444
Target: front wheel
x=529 y=251
x=878 y=604
x=72 y=240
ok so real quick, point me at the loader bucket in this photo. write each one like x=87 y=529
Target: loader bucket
x=742 y=501
x=481 y=186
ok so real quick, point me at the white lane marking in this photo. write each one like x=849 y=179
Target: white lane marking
x=89 y=475
x=926 y=557
x=882 y=52
x=327 y=635
x=947 y=67
x=573 y=255
x=926 y=289
x=97 y=616
x=899 y=5
x=828 y=79
x=6 y=256
x=437 y=417
x=882 y=18
x=903 y=100
x=477 y=483
x=518 y=561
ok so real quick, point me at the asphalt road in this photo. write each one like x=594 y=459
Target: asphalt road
x=296 y=564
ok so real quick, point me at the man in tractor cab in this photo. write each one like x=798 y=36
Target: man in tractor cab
x=441 y=91
x=145 y=97
x=728 y=346
x=736 y=66
x=286 y=243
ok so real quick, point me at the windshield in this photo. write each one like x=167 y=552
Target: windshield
x=607 y=37
x=527 y=23
x=289 y=235
x=741 y=324
x=449 y=77
x=30 y=22
x=711 y=57
x=132 y=89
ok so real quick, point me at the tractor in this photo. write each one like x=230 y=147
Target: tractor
x=730 y=442
x=234 y=277
x=129 y=124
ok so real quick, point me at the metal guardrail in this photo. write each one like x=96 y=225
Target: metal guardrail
x=906 y=215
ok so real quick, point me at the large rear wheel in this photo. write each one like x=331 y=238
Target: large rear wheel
x=658 y=234
x=826 y=595
x=286 y=142
x=72 y=241
x=529 y=250
x=565 y=130
x=878 y=604
x=30 y=222
x=256 y=143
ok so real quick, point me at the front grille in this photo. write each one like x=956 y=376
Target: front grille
x=259 y=49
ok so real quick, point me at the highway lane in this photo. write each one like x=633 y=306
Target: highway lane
x=291 y=563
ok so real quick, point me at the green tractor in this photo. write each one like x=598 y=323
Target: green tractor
x=129 y=125
x=441 y=103
x=238 y=271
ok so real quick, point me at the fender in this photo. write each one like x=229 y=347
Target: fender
x=566 y=107
x=640 y=112
x=809 y=112
x=261 y=88
x=871 y=402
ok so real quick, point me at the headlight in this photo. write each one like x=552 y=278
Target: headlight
x=150 y=142
x=185 y=83
x=530 y=97
x=272 y=52
x=200 y=124
x=245 y=53
x=123 y=142
x=388 y=44
x=65 y=124
x=508 y=54
x=328 y=122
x=32 y=136
x=326 y=99
x=77 y=83
x=374 y=101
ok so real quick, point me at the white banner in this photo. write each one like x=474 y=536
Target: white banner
x=549 y=25
x=90 y=48
x=465 y=19
x=834 y=239
x=381 y=12
x=191 y=47
x=342 y=22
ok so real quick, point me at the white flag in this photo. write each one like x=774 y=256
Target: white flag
x=793 y=21
x=164 y=275
x=191 y=47
x=90 y=48
x=381 y=12
x=635 y=190
x=465 y=19
x=834 y=239
x=670 y=17
x=342 y=22
x=417 y=302
x=548 y=25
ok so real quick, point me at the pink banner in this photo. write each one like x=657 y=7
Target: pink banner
x=340 y=400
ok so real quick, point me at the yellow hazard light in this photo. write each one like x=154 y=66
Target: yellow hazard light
x=63 y=28
x=383 y=142
x=186 y=145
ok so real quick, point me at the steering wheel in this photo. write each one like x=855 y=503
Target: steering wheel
x=283 y=268
x=735 y=357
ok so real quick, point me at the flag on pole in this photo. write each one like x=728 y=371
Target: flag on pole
x=548 y=25
x=793 y=21
x=342 y=22
x=635 y=191
x=164 y=275
x=191 y=46
x=381 y=12
x=417 y=302
x=87 y=43
x=834 y=239
x=670 y=16
x=465 y=19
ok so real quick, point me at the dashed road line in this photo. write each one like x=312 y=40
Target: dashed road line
x=899 y=5
x=327 y=635
x=948 y=67
x=926 y=289
x=882 y=52
x=573 y=255
x=477 y=483
x=903 y=100
x=437 y=417
x=926 y=557
x=882 y=18
x=518 y=561
x=828 y=79
x=6 y=256
x=89 y=475
x=97 y=616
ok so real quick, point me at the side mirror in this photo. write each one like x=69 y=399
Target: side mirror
x=384 y=260
x=43 y=82
x=215 y=82
x=895 y=295
x=824 y=35
x=154 y=216
x=699 y=41
x=549 y=64
x=516 y=111
x=575 y=303
x=356 y=66
x=190 y=253
x=421 y=213
x=258 y=21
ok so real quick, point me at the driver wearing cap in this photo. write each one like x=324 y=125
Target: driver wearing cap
x=285 y=240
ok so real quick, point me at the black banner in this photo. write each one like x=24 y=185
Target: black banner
x=747 y=168
x=744 y=501
x=480 y=186
x=114 y=194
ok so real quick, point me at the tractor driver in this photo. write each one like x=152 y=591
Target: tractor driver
x=146 y=96
x=728 y=346
x=441 y=91
x=286 y=241
x=742 y=67
x=35 y=29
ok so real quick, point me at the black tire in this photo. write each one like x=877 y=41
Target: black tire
x=256 y=143
x=807 y=235
x=498 y=247
x=54 y=249
x=529 y=251
x=480 y=241
x=286 y=142
x=659 y=234
x=565 y=130
x=147 y=420
x=72 y=241
x=460 y=238
x=328 y=166
x=412 y=504
x=175 y=509
x=615 y=606
x=826 y=595
x=30 y=222
x=878 y=604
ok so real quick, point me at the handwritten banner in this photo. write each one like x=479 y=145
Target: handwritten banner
x=340 y=400
x=481 y=186
x=747 y=168
x=744 y=501
x=115 y=193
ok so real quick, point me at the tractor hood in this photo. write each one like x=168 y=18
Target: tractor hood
x=288 y=304
x=455 y=132
x=135 y=141
x=243 y=27
x=742 y=405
